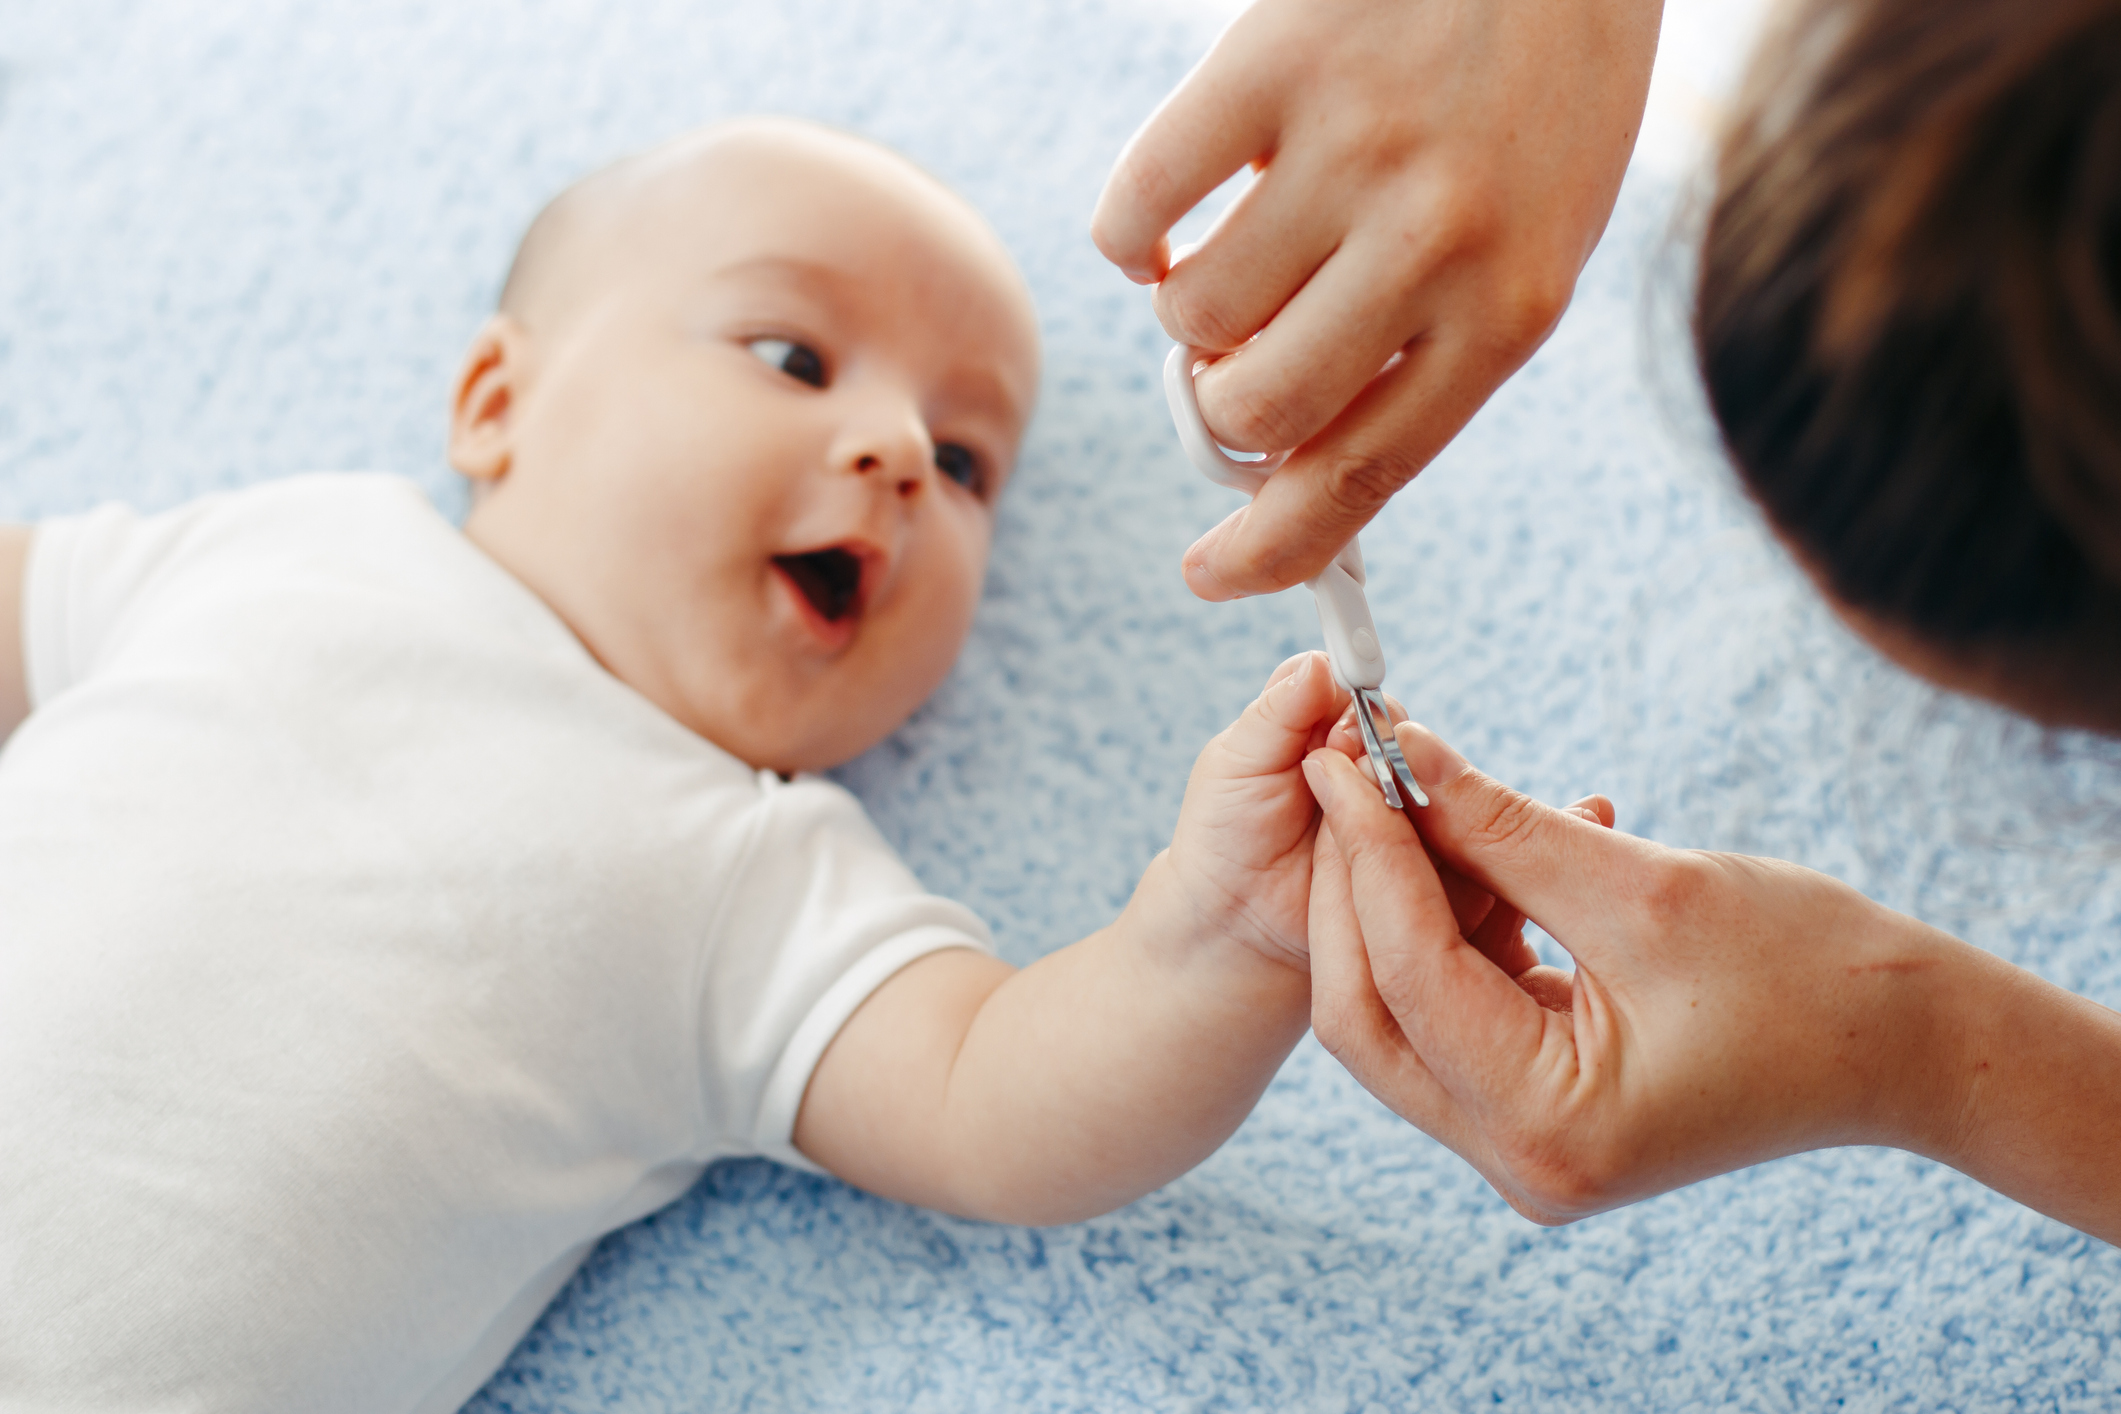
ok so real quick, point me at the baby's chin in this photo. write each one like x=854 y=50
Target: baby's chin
x=814 y=729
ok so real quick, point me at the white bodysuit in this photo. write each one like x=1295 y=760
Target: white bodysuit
x=367 y=952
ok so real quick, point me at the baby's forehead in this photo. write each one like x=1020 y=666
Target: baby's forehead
x=777 y=200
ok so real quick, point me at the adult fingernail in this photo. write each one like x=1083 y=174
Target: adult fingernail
x=1428 y=755
x=1318 y=777
x=1200 y=574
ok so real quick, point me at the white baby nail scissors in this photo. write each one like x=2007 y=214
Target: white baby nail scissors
x=1343 y=611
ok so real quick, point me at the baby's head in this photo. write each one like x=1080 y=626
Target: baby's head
x=741 y=421
x=1909 y=322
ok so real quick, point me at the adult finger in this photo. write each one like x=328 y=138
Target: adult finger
x=1551 y=863
x=1336 y=482
x=1500 y=939
x=1352 y=1021
x=1551 y=987
x=1221 y=116
x=1460 y=1012
x=1470 y=903
x=1257 y=257
x=1367 y=302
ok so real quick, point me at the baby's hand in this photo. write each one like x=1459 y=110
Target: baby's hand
x=1241 y=855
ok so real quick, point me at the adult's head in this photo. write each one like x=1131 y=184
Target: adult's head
x=1909 y=320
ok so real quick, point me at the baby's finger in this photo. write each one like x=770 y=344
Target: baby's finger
x=1596 y=809
x=1277 y=730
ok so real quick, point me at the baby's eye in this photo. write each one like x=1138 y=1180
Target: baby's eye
x=961 y=465
x=798 y=361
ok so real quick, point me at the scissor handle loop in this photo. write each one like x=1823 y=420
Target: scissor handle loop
x=1214 y=463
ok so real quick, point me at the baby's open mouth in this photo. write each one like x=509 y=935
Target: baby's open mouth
x=831 y=579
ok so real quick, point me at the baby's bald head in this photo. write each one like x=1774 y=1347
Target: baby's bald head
x=596 y=227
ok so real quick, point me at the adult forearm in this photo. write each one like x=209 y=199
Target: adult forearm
x=2033 y=1103
x=1112 y=1066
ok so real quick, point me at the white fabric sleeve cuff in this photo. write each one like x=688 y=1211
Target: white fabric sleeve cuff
x=775 y=1135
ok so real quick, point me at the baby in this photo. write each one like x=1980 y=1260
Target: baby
x=391 y=911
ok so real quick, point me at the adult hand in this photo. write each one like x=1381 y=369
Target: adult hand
x=1724 y=1010
x=1432 y=176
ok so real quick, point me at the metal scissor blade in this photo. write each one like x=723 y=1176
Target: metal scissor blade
x=1386 y=761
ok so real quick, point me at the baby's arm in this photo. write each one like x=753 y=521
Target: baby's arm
x=1116 y=1064
x=14 y=674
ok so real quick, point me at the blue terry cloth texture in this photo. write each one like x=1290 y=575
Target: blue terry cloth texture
x=249 y=239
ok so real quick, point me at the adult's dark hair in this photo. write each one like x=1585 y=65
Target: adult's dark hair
x=1909 y=321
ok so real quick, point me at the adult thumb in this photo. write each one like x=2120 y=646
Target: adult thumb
x=1546 y=862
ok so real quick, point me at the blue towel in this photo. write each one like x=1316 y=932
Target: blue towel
x=248 y=239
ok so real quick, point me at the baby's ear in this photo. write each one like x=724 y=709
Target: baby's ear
x=482 y=415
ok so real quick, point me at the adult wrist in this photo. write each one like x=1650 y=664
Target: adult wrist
x=1941 y=995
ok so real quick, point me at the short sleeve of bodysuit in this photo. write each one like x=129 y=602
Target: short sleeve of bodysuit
x=847 y=914
x=82 y=573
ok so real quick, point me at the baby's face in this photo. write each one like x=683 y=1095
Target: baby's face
x=748 y=439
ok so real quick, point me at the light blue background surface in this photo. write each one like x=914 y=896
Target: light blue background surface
x=253 y=240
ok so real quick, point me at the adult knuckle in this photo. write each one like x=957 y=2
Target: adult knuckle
x=1342 y=1026
x=1359 y=480
x=1562 y=1180
x=1468 y=218
x=1529 y=1206
x=1673 y=884
x=1192 y=313
x=1265 y=419
x=1330 y=1023
x=1527 y=308
x=1505 y=821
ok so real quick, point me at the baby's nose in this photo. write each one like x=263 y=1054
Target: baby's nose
x=901 y=455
